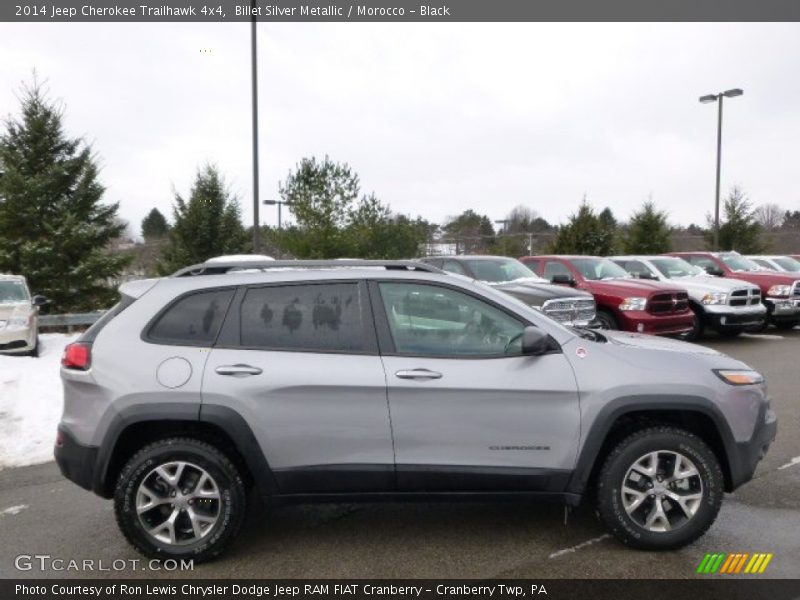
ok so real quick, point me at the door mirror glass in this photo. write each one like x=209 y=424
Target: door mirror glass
x=535 y=342
x=562 y=278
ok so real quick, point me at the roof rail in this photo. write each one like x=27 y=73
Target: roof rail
x=220 y=268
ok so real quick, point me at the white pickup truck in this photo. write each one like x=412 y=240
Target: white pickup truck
x=729 y=306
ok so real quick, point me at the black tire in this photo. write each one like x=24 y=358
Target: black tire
x=785 y=325
x=230 y=506
x=615 y=469
x=605 y=320
x=698 y=325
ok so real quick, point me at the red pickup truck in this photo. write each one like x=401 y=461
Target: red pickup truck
x=622 y=302
x=780 y=292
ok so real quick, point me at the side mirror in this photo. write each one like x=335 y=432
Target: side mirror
x=714 y=270
x=39 y=300
x=646 y=275
x=562 y=279
x=535 y=342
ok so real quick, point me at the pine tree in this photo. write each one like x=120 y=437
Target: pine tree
x=648 y=232
x=584 y=234
x=54 y=228
x=205 y=226
x=739 y=230
x=154 y=225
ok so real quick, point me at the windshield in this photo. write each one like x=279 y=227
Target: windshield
x=13 y=291
x=675 y=267
x=595 y=269
x=788 y=263
x=499 y=270
x=740 y=263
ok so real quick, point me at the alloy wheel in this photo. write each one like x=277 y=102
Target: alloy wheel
x=662 y=491
x=178 y=503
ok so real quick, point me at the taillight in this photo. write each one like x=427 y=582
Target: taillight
x=77 y=356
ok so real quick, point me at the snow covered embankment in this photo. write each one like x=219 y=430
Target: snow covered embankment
x=31 y=400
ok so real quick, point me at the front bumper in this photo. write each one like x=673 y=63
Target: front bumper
x=640 y=321
x=783 y=309
x=722 y=317
x=76 y=461
x=17 y=340
x=746 y=455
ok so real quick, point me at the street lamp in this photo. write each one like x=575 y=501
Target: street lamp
x=279 y=204
x=708 y=99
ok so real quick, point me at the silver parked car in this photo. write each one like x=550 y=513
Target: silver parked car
x=728 y=306
x=357 y=380
x=19 y=331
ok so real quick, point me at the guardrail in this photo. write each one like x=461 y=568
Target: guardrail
x=69 y=321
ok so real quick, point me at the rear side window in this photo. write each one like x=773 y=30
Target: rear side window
x=310 y=317
x=91 y=334
x=193 y=320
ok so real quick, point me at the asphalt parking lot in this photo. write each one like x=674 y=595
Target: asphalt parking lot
x=41 y=513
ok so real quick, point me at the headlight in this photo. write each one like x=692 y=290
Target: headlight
x=633 y=304
x=18 y=322
x=715 y=298
x=739 y=376
x=779 y=290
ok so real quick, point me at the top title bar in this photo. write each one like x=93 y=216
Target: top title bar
x=401 y=10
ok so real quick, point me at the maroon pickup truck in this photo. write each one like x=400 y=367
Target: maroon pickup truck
x=622 y=302
x=780 y=292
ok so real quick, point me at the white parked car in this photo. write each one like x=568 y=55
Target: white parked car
x=19 y=331
x=729 y=306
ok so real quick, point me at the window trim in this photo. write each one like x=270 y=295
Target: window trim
x=145 y=335
x=386 y=341
x=230 y=334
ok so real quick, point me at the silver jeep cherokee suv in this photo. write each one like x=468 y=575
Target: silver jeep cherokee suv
x=359 y=380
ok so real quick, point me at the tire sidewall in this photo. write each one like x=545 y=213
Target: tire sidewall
x=610 y=497
x=229 y=483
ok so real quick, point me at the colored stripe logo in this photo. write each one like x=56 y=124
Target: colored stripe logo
x=734 y=563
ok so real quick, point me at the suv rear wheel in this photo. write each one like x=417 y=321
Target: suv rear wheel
x=180 y=498
x=660 y=488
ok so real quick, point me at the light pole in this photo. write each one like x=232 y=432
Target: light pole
x=732 y=93
x=279 y=204
x=254 y=83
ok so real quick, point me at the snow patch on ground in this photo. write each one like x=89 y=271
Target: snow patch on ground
x=31 y=400
x=13 y=510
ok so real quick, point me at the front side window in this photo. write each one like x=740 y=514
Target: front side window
x=553 y=268
x=427 y=320
x=308 y=317
x=673 y=268
x=598 y=269
x=499 y=270
x=193 y=320
x=739 y=263
x=452 y=266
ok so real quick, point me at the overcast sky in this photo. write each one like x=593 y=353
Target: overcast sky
x=435 y=118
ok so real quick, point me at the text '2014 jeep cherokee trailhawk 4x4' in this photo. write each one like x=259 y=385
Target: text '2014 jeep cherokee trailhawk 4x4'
x=345 y=380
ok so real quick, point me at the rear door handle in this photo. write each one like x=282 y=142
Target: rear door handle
x=238 y=370
x=418 y=374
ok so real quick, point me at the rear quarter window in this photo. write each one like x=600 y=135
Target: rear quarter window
x=191 y=320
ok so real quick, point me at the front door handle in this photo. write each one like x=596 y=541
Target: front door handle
x=418 y=374
x=238 y=370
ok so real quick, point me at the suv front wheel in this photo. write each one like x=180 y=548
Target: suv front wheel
x=180 y=498
x=660 y=488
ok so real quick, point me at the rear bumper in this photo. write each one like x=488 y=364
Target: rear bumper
x=76 y=461
x=748 y=454
x=643 y=322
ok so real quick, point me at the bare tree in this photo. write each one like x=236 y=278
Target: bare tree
x=770 y=216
